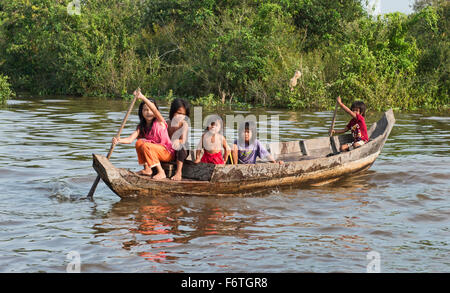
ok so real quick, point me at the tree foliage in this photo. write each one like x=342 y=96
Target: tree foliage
x=5 y=89
x=230 y=51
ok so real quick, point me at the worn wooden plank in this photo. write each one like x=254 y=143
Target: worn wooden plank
x=285 y=147
x=128 y=184
x=242 y=173
x=318 y=146
x=200 y=171
x=224 y=180
x=304 y=148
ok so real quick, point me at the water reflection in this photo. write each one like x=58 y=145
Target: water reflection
x=162 y=229
x=158 y=223
x=400 y=204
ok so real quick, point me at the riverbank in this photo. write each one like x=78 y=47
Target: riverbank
x=293 y=55
x=211 y=102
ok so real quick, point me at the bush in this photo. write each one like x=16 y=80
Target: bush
x=232 y=52
x=49 y=51
x=5 y=89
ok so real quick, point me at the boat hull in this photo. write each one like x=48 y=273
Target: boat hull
x=241 y=180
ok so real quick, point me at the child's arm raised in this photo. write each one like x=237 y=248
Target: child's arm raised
x=152 y=107
x=345 y=108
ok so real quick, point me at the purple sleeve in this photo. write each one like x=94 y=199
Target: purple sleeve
x=262 y=152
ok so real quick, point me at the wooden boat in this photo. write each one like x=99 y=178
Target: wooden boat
x=306 y=162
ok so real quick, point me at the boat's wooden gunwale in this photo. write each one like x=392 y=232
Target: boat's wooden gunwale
x=232 y=180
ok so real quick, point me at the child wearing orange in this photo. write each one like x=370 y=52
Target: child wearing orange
x=153 y=144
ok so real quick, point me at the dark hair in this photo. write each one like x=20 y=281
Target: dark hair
x=248 y=125
x=212 y=119
x=177 y=104
x=361 y=106
x=142 y=126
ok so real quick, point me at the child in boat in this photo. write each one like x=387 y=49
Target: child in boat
x=178 y=132
x=247 y=148
x=357 y=125
x=153 y=144
x=213 y=142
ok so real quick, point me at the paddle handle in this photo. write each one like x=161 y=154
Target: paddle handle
x=334 y=120
x=111 y=149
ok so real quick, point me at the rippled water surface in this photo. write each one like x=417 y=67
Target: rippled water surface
x=399 y=208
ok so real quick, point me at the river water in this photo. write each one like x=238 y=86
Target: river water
x=396 y=214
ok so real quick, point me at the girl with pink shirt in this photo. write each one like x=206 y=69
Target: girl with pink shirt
x=153 y=144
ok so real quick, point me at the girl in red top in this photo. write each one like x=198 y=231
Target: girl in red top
x=357 y=125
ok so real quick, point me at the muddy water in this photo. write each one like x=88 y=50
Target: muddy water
x=399 y=209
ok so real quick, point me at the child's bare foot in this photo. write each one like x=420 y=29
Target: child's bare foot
x=176 y=177
x=160 y=175
x=145 y=172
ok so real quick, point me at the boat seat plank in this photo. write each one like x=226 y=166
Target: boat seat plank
x=286 y=147
x=317 y=146
x=294 y=157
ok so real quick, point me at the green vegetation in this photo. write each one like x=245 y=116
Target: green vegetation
x=234 y=52
x=5 y=89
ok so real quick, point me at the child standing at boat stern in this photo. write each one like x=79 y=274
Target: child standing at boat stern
x=246 y=149
x=178 y=132
x=213 y=143
x=153 y=144
x=357 y=125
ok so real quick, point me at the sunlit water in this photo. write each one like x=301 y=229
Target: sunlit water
x=399 y=208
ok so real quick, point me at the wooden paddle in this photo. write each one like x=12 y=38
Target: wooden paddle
x=111 y=149
x=330 y=132
x=334 y=120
